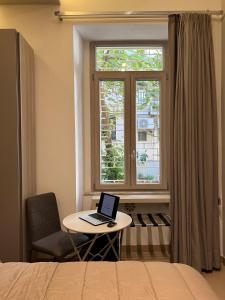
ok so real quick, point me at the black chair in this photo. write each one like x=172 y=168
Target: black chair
x=44 y=228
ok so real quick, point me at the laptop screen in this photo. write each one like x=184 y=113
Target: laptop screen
x=108 y=205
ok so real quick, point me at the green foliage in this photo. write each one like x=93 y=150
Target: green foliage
x=114 y=163
x=143 y=157
x=155 y=106
x=113 y=95
x=129 y=59
x=148 y=177
x=151 y=88
x=113 y=106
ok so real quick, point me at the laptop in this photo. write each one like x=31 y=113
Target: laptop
x=107 y=210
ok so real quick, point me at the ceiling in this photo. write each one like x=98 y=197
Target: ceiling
x=104 y=32
x=55 y=2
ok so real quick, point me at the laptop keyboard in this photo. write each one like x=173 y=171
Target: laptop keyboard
x=99 y=217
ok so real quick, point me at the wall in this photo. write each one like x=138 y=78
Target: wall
x=54 y=78
x=102 y=5
x=78 y=114
x=217 y=31
x=53 y=48
x=223 y=124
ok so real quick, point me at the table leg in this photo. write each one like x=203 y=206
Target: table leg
x=102 y=250
x=74 y=246
x=120 y=241
x=111 y=245
x=106 y=248
x=90 y=246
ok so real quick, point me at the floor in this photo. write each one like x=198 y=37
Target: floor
x=217 y=282
x=145 y=253
x=215 y=279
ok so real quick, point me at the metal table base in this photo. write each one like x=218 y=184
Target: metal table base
x=102 y=253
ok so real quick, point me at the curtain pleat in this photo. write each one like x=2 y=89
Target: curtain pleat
x=193 y=142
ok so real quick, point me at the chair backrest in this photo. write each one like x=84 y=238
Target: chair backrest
x=42 y=216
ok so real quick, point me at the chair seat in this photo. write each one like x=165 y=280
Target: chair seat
x=58 y=244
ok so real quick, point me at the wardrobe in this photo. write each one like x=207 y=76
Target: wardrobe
x=17 y=142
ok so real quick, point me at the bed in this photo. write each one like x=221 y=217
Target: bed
x=124 y=280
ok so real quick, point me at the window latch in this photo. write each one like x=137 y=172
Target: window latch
x=133 y=155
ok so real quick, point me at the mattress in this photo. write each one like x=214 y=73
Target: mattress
x=125 y=280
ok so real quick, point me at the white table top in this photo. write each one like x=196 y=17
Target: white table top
x=73 y=223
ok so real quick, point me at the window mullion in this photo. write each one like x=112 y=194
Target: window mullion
x=132 y=132
x=127 y=129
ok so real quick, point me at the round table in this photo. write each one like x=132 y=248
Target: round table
x=73 y=223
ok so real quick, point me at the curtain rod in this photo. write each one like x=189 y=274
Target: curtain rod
x=129 y=14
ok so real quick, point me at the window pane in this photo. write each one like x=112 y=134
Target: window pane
x=148 y=121
x=111 y=97
x=129 y=58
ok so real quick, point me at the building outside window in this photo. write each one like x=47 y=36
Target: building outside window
x=142 y=136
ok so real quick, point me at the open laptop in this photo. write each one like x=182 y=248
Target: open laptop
x=106 y=212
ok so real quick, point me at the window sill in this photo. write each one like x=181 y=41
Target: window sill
x=134 y=197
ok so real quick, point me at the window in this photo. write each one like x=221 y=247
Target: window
x=142 y=136
x=127 y=96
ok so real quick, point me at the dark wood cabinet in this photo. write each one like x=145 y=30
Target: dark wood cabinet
x=17 y=141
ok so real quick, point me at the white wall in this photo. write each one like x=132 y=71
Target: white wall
x=217 y=29
x=223 y=126
x=102 y=5
x=78 y=114
x=53 y=46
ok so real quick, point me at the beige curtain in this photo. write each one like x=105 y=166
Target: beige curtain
x=193 y=144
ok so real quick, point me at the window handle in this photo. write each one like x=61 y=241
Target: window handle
x=133 y=155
